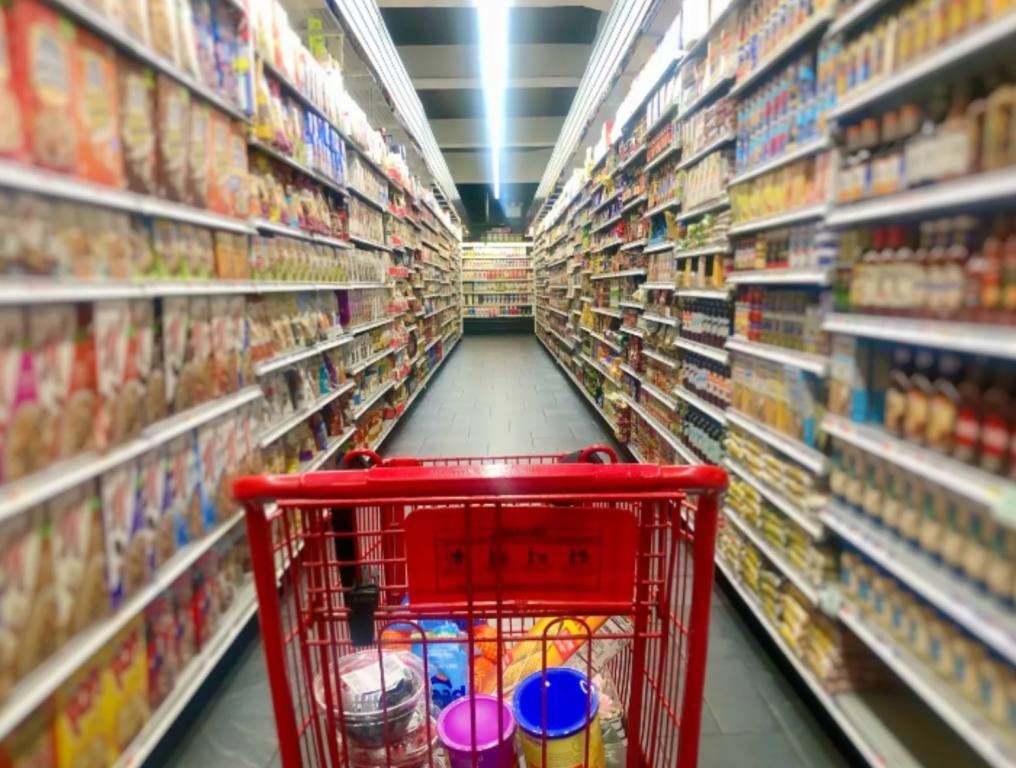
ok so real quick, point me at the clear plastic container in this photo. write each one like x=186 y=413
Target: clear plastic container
x=373 y=715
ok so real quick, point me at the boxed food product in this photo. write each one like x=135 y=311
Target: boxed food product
x=79 y=562
x=97 y=111
x=241 y=336
x=125 y=685
x=185 y=350
x=28 y=609
x=136 y=22
x=128 y=537
x=108 y=240
x=144 y=357
x=31 y=744
x=82 y=738
x=220 y=197
x=119 y=406
x=181 y=597
x=12 y=136
x=209 y=469
x=23 y=446
x=137 y=124
x=160 y=638
x=42 y=50
x=162 y=19
x=152 y=501
x=64 y=367
x=173 y=121
x=183 y=501
x=199 y=153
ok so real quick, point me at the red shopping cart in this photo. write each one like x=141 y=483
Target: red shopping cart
x=600 y=571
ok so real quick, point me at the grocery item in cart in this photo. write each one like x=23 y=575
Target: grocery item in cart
x=374 y=713
x=414 y=749
x=566 y=714
x=490 y=749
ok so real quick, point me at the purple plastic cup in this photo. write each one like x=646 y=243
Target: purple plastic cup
x=454 y=728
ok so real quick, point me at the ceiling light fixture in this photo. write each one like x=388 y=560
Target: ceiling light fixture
x=617 y=32
x=492 y=18
x=362 y=19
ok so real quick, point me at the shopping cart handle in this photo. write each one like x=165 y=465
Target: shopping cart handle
x=592 y=450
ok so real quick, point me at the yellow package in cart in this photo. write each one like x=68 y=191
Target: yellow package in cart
x=82 y=740
x=125 y=686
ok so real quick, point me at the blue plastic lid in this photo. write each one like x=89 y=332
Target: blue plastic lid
x=568 y=693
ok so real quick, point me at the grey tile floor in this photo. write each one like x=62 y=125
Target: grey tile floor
x=502 y=395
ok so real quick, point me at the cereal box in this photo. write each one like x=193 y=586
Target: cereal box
x=80 y=728
x=23 y=443
x=125 y=685
x=152 y=497
x=119 y=406
x=128 y=537
x=97 y=111
x=31 y=744
x=79 y=562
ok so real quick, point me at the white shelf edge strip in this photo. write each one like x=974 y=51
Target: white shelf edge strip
x=720 y=355
x=808 y=148
x=986 y=489
x=713 y=412
x=780 y=276
x=659 y=396
x=362 y=408
x=30 y=491
x=809 y=522
x=291 y=421
x=192 y=677
x=971 y=609
x=39 y=684
x=809 y=457
x=973 y=727
x=850 y=729
x=773 y=555
x=283 y=361
x=780 y=219
x=816 y=364
x=997 y=341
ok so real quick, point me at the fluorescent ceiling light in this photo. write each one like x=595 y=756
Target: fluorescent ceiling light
x=617 y=32
x=363 y=20
x=492 y=17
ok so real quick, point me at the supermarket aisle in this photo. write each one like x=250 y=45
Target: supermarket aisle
x=503 y=394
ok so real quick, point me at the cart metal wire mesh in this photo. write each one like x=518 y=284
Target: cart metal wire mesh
x=605 y=568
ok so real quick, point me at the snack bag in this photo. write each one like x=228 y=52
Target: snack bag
x=173 y=120
x=199 y=351
x=188 y=41
x=42 y=51
x=182 y=500
x=137 y=124
x=198 y=153
x=162 y=19
x=175 y=338
x=109 y=241
x=135 y=13
x=125 y=685
x=220 y=197
x=128 y=537
x=23 y=443
x=160 y=642
x=181 y=596
x=79 y=562
x=97 y=111
x=209 y=469
x=28 y=610
x=31 y=744
x=228 y=457
x=65 y=369
x=223 y=348
x=119 y=407
x=82 y=738
x=152 y=499
x=12 y=128
x=143 y=372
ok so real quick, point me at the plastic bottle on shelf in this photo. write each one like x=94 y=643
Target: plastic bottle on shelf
x=967 y=434
x=944 y=406
x=997 y=426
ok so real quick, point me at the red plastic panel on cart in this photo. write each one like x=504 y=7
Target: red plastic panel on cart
x=530 y=553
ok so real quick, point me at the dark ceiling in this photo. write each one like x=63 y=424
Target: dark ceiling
x=539 y=106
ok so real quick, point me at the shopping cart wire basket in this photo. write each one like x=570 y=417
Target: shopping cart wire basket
x=558 y=599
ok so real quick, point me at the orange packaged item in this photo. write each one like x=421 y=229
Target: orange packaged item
x=100 y=156
x=12 y=137
x=173 y=100
x=219 y=194
x=42 y=50
x=199 y=157
x=526 y=657
x=137 y=112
